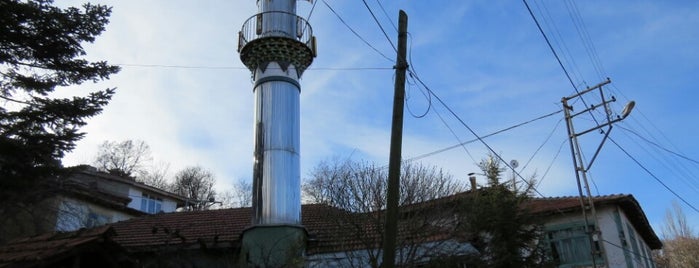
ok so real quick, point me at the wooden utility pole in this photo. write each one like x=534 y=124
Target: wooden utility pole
x=393 y=193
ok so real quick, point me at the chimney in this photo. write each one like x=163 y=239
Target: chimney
x=472 y=179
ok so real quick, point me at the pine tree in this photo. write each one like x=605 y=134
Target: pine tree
x=496 y=223
x=41 y=51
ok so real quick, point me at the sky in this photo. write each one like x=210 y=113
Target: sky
x=184 y=91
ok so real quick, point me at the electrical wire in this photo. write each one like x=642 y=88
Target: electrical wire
x=578 y=21
x=479 y=138
x=355 y=32
x=245 y=68
x=542 y=145
x=310 y=13
x=560 y=148
x=660 y=147
x=427 y=95
x=558 y=38
x=387 y=16
x=653 y=175
x=379 y=24
x=408 y=97
x=483 y=137
x=558 y=59
x=649 y=258
x=548 y=42
x=681 y=171
x=463 y=145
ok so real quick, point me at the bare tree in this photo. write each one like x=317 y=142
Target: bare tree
x=127 y=158
x=681 y=244
x=197 y=185
x=237 y=197
x=358 y=190
x=156 y=176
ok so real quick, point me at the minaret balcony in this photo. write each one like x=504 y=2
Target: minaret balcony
x=276 y=36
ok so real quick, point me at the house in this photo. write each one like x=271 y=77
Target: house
x=626 y=238
x=211 y=238
x=86 y=198
x=141 y=197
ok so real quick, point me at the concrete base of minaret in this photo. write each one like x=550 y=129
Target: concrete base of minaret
x=273 y=246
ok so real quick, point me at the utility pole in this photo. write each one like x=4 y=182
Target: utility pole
x=586 y=199
x=393 y=193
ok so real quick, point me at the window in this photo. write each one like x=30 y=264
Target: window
x=151 y=204
x=569 y=246
x=634 y=245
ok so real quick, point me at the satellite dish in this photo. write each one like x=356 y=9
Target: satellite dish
x=514 y=163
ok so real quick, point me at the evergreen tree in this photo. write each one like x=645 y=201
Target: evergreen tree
x=496 y=223
x=41 y=51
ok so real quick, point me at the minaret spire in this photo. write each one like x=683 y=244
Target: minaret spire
x=277 y=46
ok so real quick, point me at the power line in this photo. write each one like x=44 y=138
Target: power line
x=379 y=24
x=649 y=258
x=565 y=71
x=355 y=32
x=410 y=63
x=205 y=67
x=678 y=168
x=483 y=137
x=660 y=147
x=585 y=38
x=310 y=13
x=463 y=145
x=558 y=38
x=479 y=138
x=653 y=175
x=542 y=144
x=408 y=97
x=560 y=148
x=548 y=42
x=387 y=16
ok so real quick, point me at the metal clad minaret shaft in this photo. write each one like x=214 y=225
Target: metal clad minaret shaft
x=277 y=46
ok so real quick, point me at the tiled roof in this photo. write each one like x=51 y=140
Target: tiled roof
x=215 y=228
x=51 y=247
x=225 y=226
x=222 y=228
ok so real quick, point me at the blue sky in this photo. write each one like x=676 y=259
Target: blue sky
x=184 y=91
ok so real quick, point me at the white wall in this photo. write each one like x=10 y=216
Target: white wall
x=610 y=239
x=169 y=205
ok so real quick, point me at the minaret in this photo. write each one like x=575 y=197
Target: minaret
x=277 y=46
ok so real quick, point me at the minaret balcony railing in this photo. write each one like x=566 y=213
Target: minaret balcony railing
x=276 y=24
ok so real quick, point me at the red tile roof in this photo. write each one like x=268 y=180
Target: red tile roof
x=214 y=227
x=222 y=228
